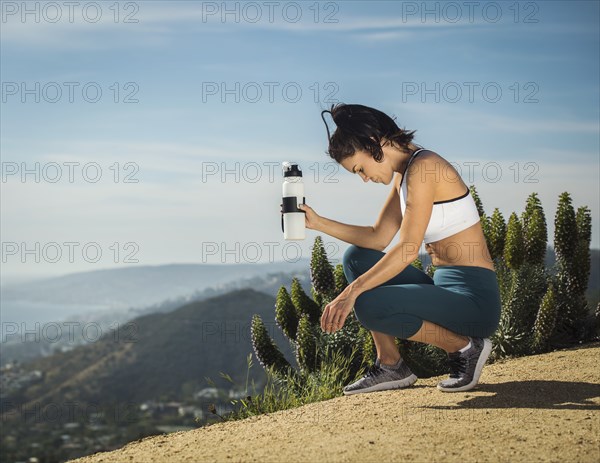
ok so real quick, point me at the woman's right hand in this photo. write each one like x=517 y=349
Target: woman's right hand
x=312 y=218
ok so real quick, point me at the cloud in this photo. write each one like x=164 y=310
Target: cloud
x=157 y=23
x=153 y=24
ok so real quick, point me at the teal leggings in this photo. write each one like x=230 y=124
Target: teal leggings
x=464 y=299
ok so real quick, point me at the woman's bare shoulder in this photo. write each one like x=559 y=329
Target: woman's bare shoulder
x=431 y=158
x=430 y=154
x=448 y=178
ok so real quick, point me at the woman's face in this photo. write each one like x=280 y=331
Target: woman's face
x=363 y=164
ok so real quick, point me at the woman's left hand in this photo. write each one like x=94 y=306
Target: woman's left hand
x=336 y=312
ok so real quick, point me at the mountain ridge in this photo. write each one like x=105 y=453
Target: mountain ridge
x=160 y=354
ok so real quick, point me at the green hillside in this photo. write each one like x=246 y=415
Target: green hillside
x=153 y=356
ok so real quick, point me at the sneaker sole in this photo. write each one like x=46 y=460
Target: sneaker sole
x=402 y=383
x=485 y=353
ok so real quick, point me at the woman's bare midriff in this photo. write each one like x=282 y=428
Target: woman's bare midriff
x=467 y=247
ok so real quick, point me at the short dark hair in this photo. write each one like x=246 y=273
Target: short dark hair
x=355 y=125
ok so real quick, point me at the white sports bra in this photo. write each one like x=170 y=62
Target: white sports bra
x=447 y=217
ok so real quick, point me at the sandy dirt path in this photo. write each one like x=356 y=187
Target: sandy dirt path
x=537 y=408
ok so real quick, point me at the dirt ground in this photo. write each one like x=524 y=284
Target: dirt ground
x=537 y=408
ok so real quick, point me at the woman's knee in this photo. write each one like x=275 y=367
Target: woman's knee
x=372 y=314
x=352 y=259
x=351 y=254
x=348 y=260
x=367 y=310
x=365 y=318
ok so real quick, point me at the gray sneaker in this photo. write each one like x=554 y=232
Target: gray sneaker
x=465 y=367
x=380 y=378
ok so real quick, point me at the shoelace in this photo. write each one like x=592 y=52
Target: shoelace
x=373 y=371
x=458 y=364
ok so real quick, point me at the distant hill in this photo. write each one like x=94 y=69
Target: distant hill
x=27 y=348
x=142 y=286
x=159 y=353
x=138 y=286
x=109 y=294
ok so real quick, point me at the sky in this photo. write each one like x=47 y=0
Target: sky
x=153 y=132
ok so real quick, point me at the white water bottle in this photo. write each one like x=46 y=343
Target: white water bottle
x=292 y=218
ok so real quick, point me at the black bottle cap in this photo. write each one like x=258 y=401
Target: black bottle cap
x=292 y=170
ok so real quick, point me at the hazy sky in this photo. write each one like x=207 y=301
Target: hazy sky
x=153 y=132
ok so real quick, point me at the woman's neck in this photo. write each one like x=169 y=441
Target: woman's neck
x=403 y=155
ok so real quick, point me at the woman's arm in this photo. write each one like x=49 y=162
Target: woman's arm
x=419 y=205
x=363 y=236
x=377 y=237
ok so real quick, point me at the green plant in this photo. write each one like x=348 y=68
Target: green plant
x=545 y=322
x=571 y=243
x=291 y=389
x=298 y=316
x=542 y=309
